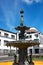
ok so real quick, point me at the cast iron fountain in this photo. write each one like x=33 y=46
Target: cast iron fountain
x=22 y=44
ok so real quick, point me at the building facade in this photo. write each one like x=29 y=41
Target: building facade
x=31 y=34
x=6 y=36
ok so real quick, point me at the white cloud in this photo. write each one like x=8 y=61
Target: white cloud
x=28 y=1
x=31 y=1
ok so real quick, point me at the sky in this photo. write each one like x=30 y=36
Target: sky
x=10 y=14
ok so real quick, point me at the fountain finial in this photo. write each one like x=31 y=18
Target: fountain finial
x=21 y=17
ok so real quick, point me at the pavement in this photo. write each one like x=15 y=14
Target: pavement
x=6 y=58
x=1 y=56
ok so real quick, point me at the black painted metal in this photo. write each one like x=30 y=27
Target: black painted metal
x=31 y=62
x=22 y=52
x=22 y=55
x=30 y=55
x=14 y=59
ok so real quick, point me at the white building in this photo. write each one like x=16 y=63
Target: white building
x=31 y=34
x=6 y=36
x=34 y=34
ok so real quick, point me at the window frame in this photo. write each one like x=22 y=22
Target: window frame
x=6 y=35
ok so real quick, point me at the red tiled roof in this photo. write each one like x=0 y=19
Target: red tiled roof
x=32 y=30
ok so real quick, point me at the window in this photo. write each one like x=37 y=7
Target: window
x=5 y=51
x=41 y=50
x=30 y=36
x=0 y=42
x=36 y=35
x=0 y=33
x=5 y=35
x=5 y=42
x=12 y=36
x=36 y=51
x=26 y=36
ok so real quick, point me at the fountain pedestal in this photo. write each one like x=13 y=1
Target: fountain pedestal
x=22 y=56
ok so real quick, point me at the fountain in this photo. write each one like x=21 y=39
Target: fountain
x=22 y=44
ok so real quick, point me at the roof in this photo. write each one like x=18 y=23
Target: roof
x=34 y=30
x=8 y=31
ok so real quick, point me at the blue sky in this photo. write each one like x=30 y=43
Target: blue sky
x=10 y=14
